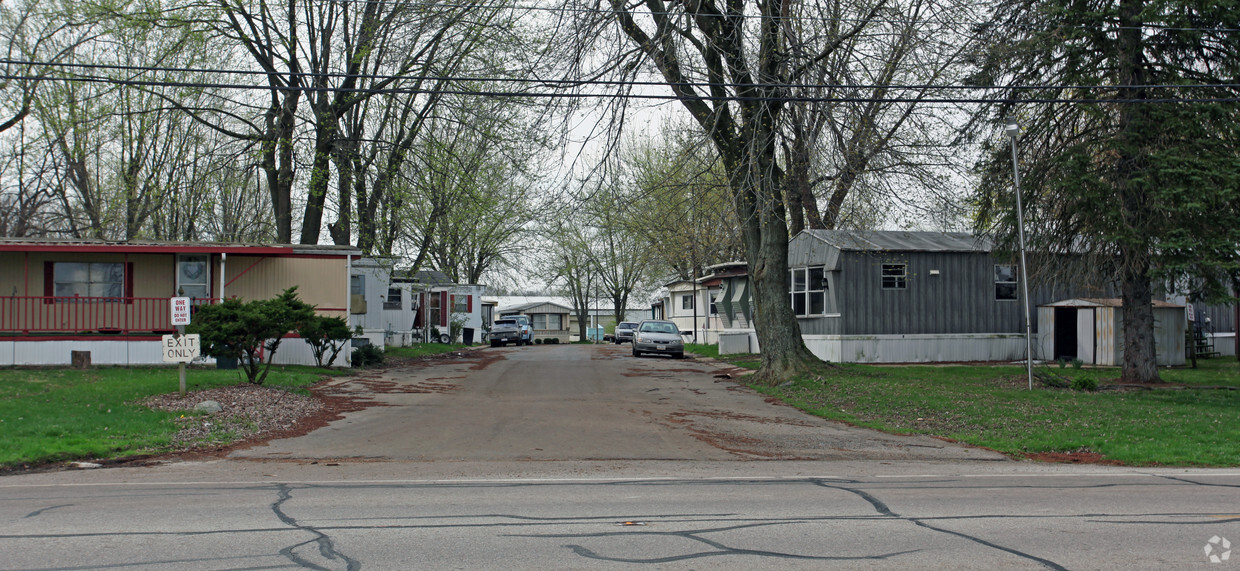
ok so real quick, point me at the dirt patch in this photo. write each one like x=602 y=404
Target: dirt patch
x=1075 y=457
x=728 y=415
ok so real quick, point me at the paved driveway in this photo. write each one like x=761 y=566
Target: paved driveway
x=582 y=402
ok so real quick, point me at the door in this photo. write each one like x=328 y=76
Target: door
x=193 y=276
x=1085 y=335
x=1065 y=333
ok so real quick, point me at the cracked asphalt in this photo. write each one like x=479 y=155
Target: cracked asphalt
x=584 y=458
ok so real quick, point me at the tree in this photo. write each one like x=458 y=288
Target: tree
x=1125 y=157
x=469 y=192
x=730 y=67
x=860 y=140
x=250 y=331
x=567 y=262
x=677 y=204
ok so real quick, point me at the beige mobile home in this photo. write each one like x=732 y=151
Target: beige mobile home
x=112 y=298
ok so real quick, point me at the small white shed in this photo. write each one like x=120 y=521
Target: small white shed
x=1092 y=330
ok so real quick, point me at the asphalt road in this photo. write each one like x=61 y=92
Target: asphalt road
x=584 y=458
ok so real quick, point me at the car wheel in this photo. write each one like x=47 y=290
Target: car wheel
x=494 y=343
x=636 y=353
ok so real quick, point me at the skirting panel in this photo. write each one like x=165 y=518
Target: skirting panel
x=917 y=348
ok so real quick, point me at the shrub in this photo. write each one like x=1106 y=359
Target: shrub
x=250 y=331
x=1085 y=384
x=553 y=341
x=325 y=334
x=538 y=341
x=367 y=355
x=1076 y=363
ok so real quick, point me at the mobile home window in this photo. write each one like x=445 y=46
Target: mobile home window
x=88 y=279
x=713 y=309
x=686 y=302
x=809 y=291
x=1005 y=282
x=895 y=276
x=547 y=321
x=357 y=285
x=393 y=299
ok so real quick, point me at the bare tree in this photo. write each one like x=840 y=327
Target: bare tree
x=730 y=67
x=859 y=131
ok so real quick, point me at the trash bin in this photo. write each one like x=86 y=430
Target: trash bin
x=469 y=335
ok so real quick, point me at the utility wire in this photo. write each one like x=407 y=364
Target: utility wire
x=554 y=84
x=802 y=17
x=671 y=97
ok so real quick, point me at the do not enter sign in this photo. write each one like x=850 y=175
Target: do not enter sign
x=180 y=311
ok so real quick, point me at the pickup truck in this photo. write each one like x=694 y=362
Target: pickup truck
x=512 y=329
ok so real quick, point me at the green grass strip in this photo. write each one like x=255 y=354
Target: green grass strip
x=1186 y=424
x=49 y=415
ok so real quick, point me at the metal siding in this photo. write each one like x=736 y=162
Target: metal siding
x=1170 y=327
x=13 y=274
x=1110 y=337
x=1086 y=339
x=320 y=281
x=542 y=308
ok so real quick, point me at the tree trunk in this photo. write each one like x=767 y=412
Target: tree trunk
x=1139 y=345
x=320 y=171
x=1137 y=294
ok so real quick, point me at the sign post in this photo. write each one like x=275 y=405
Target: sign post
x=179 y=347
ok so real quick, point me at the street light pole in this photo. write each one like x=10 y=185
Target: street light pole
x=1012 y=128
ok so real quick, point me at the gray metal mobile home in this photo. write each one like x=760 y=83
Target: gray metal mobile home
x=895 y=296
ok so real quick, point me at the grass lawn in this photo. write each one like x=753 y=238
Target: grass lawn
x=54 y=414
x=1184 y=424
x=422 y=350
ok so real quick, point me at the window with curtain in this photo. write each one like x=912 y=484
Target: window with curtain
x=88 y=279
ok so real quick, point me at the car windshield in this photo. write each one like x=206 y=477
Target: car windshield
x=627 y=325
x=659 y=328
x=505 y=322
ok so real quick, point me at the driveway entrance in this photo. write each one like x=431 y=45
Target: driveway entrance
x=581 y=402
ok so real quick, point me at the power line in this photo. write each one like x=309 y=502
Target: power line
x=672 y=97
x=806 y=18
x=548 y=83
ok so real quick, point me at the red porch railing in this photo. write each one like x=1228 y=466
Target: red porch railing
x=38 y=314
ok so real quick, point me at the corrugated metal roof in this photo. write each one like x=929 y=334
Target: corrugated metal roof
x=902 y=241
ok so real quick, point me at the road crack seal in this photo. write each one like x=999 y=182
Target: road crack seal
x=883 y=509
x=326 y=548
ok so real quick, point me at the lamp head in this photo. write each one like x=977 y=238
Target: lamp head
x=1011 y=127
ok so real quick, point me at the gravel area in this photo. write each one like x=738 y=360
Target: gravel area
x=249 y=412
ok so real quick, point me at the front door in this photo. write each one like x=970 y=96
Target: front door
x=193 y=276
